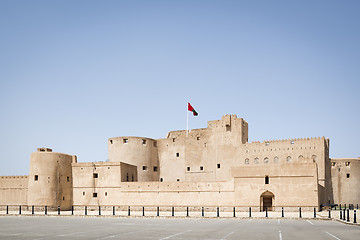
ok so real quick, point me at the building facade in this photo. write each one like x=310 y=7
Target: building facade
x=213 y=166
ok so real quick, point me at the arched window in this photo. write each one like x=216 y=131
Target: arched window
x=256 y=160
x=276 y=159
x=301 y=157
x=288 y=159
x=247 y=161
x=266 y=160
x=313 y=158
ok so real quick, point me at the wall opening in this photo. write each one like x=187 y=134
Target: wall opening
x=218 y=165
x=111 y=141
x=95 y=175
x=161 y=179
x=266 y=201
x=36 y=177
x=68 y=179
x=188 y=169
x=105 y=194
x=83 y=193
x=266 y=179
x=348 y=175
x=144 y=142
x=201 y=168
x=94 y=194
x=155 y=169
x=144 y=168
x=177 y=154
x=125 y=140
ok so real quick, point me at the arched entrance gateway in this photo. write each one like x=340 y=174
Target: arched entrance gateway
x=266 y=201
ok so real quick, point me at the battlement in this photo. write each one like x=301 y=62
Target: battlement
x=291 y=140
x=13 y=177
x=43 y=149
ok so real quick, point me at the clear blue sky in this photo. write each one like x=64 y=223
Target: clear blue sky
x=75 y=73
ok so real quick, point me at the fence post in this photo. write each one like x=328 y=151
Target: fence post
x=218 y=213
x=314 y=213
x=300 y=212
x=282 y=211
x=45 y=210
x=234 y=215
x=266 y=215
x=157 y=211
x=58 y=210
x=348 y=215
x=20 y=209
x=143 y=211
x=249 y=211
x=99 y=210
x=7 y=209
x=187 y=211
x=354 y=216
x=113 y=210
x=172 y=211
x=32 y=209
x=329 y=213
x=129 y=211
x=85 y=210
x=202 y=211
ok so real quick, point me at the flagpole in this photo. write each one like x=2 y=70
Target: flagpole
x=187 y=120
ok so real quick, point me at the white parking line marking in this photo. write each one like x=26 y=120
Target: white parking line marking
x=227 y=235
x=333 y=236
x=309 y=222
x=174 y=235
x=280 y=235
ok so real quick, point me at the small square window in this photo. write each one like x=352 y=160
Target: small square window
x=218 y=165
x=155 y=169
x=144 y=168
x=201 y=168
x=125 y=140
x=348 y=175
x=177 y=154
x=188 y=168
x=36 y=177
x=95 y=175
x=144 y=142
x=94 y=194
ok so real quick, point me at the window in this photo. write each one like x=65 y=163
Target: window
x=348 y=175
x=154 y=144
x=155 y=169
x=125 y=140
x=144 y=168
x=266 y=179
x=63 y=198
x=105 y=194
x=178 y=180
x=177 y=154
x=313 y=158
x=161 y=179
x=173 y=139
x=95 y=175
x=198 y=138
x=36 y=177
x=111 y=141
x=94 y=194
x=347 y=164
x=83 y=193
x=144 y=142
x=266 y=160
x=201 y=168
x=127 y=177
x=218 y=165
x=68 y=179
x=247 y=161
x=276 y=159
x=333 y=164
x=188 y=168
x=256 y=160
x=288 y=159
x=132 y=177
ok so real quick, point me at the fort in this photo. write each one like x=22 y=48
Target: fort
x=213 y=166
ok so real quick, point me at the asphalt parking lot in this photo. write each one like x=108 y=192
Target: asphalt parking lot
x=53 y=227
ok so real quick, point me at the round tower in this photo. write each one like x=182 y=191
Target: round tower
x=141 y=152
x=50 y=179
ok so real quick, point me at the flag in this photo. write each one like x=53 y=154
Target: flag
x=191 y=109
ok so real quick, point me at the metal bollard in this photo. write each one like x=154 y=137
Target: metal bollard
x=266 y=215
x=234 y=215
x=344 y=207
x=113 y=210
x=72 y=210
x=143 y=211
x=85 y=210
x=249 y=211
x=129 y=211
x=187 y=211
x=340 y=214
x=218 y=213
x=99 y=211
x=354 y=216
x=329 y=213
x=58 y=210
x=344 y=214
x=157 y=211
x=45 y=210
x=202 y=211
x=348 y=215
x=172 y=211
x=20 y=209
x=300 y=212
x=7 y=209
x=282 y=212
x=314 y=213
x=32 y=210
x=340 y=206
x=357 y=206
